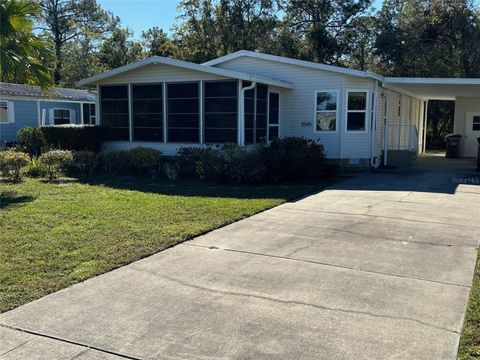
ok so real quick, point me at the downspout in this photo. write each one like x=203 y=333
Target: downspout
x=373 y=159
x=241 y=113
x=81 y=114
x=39 y=115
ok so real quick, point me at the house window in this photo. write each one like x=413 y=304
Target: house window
x=4 y=112
x=326 y=111
x=221 y=111
x=183 y=112
x=89 y=116
x=356 y=110
x=256 y=101
x=61 y=116
x=147 y=111
x=114 y=110
x=273 y=114
x=476 y=123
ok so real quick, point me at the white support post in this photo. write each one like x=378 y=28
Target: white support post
x=39 y=114
x=385 y=130
x=202 y=118
x=81 y=114
x=425 y=124
x=164 y=97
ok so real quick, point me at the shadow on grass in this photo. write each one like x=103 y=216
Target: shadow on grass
x=11 y=199
x=194 y=188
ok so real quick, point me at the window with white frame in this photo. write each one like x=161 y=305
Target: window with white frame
x=326 y=110
x=89 y=115
x=4 y=112
x=356 y=111
x=61 y=116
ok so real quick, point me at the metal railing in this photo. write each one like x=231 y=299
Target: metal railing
x=402 y=137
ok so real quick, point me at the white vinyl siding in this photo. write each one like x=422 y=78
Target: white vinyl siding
x=159 y=73
x=297 y=106
x=462 y=107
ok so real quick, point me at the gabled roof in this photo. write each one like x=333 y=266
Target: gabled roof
x=290 y=61
x=10 y=89
x=186 y=65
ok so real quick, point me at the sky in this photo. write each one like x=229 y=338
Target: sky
x=140 y=15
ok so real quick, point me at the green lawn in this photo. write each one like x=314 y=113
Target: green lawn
x=470 y=340
x=55 y=235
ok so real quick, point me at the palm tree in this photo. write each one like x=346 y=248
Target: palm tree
x=22 y=53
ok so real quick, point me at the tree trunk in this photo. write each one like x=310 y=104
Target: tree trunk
x=57 y=74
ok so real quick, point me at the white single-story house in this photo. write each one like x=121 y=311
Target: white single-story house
x=361 y=118
x=24 y=105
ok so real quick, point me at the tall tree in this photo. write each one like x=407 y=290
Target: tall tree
x=156 y=42
x=197 y=33
x=67 y=20
x=322 y=24
x=245 y=24
x=214 y=28
x=429 y=38
x=360 y=43
x=118 y=50
x=22 y=54
x=83 y=61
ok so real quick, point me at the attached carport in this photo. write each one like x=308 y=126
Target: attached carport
x=465 y=93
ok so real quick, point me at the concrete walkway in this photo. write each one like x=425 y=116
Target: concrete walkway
x=377 y=267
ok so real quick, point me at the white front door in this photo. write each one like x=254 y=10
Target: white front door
x=472 y=132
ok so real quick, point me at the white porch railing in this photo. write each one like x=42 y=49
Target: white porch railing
x=403 y=137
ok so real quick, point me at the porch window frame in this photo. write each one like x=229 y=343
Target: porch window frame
x=204 y=112
x=199 y=113
x=268 y=114
x=131 y=104
x=316 y=111
x=366 y=111
x=100 y=110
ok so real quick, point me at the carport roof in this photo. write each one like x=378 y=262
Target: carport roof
x=435 y=88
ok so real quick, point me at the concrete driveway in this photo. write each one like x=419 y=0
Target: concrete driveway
x=377 y=267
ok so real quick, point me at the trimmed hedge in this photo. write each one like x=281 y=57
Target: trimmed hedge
x=73 y=137
x=30 y=140
x=282 y=160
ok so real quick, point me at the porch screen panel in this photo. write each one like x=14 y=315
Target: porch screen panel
x=221 y=111
x=261 y=113
x=114 y=108
x=183 y=113
x=249 y=100
x=147 y=104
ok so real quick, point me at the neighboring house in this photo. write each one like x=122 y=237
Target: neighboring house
x=24 y=105
x=361 y=118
